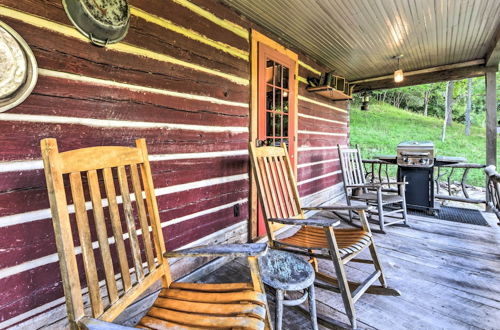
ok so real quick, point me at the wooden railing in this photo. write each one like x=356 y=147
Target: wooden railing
x=447 y=171
x=380 y=171
x=493 y=188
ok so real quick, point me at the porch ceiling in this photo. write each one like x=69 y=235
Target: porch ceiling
x=359 y=38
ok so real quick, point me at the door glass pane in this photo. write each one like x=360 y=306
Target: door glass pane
x=269 y=123
x=285 y=125
x=285 y=101
x=277 y=103
x=285 y=77
x=277 y=100
x=285 y=141
x=277 y=125
x=277 y=74
x=269 y=71
x=269 y=97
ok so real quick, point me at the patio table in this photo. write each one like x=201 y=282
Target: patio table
x=440 y=161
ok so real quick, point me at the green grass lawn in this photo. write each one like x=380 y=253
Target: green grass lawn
x=379 y=130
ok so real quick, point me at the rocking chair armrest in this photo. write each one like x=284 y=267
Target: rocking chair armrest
x=307 y=222
x=396 y=182
x=89 y=323
x=366 y=185
x=338 y=208
x=222 y=250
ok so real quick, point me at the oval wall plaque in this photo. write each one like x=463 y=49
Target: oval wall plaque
x=102 y=21
x=18 y=68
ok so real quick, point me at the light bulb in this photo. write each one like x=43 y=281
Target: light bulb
x=398 y=76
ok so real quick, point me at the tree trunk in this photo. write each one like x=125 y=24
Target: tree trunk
x=383 y=98
x=469 y=106
x=398 y=101
x=449 y=103
x=426 y=102
x=443 y=133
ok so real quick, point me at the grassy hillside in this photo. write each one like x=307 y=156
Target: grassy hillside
x=379 y=130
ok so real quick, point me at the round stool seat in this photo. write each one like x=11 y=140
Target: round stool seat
x=286 y=271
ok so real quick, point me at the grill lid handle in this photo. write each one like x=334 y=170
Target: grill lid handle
x=419 y=154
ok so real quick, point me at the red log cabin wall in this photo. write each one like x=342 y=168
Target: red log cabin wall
x=180 y=79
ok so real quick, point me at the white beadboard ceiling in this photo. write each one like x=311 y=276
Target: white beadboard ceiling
x=358 y=38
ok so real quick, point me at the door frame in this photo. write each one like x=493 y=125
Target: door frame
x=257 y=38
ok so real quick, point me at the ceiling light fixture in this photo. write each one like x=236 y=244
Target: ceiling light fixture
x=398 y=74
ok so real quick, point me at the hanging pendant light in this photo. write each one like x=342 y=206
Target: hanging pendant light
x=398 y=74
x=365 y=98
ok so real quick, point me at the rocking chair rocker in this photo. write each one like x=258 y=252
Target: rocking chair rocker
x=316 y=238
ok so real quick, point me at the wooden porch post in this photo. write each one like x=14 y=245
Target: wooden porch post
x=491 y=122
x=491 y=117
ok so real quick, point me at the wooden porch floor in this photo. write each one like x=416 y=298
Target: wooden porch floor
x=447 y=273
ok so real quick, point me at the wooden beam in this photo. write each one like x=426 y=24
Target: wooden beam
x=491 y=118
x=492 y=57
x=424 y=78
x=423 y=71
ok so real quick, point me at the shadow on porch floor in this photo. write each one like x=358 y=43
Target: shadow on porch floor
x=447 y=273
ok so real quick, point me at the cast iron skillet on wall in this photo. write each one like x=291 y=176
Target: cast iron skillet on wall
x=102 y=21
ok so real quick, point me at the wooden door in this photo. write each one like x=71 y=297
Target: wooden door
x=276 y=105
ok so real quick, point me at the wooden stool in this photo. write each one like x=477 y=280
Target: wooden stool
x=284 y=271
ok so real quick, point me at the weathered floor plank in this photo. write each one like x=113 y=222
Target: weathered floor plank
x=447 y=273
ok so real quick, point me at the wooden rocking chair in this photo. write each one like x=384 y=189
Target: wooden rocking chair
x=356 y=188
x=179 y=305
x=315 y=238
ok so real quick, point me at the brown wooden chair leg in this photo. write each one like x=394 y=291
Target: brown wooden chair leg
x=405 y=213
x=314 y=262
x=377 y=264
x=345 y=291
x=350 y=212
x=259 y=286
x=380 y=210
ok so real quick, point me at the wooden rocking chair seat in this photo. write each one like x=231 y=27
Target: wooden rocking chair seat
x=349 y=240
x=208 y=306
x=372 y=197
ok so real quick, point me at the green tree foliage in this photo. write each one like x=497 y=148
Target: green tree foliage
x=412 y=98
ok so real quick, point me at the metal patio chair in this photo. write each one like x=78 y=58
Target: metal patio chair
x=357 y=189
x=94 y=172
x=315 y=238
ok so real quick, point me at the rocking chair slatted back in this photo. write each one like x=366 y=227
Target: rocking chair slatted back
x=352 y=166
x=100 y=166
x=276 y=182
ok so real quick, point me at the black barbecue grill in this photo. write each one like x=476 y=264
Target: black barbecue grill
x=415 y=162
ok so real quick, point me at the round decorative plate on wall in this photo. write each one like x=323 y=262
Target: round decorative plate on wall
x=18 y=68
x=102 y=21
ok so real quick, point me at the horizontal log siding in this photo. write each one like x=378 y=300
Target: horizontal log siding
x=322 y=124
x=187 y=94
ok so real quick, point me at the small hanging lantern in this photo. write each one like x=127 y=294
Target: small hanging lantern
x=398 y=74
x=365 y=98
